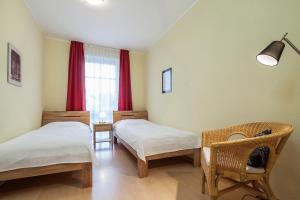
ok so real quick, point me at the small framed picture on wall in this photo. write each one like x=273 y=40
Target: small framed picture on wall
x=167 y=81
x=14 y=66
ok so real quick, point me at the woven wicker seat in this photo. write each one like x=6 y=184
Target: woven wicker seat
x=228 y=159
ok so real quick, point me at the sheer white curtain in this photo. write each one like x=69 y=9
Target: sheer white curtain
x=101 y=81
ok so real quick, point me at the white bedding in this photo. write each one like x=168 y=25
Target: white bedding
x=147 y=138
x=54 y=143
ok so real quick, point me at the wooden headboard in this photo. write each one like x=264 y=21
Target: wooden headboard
x=62 y=116
x=121 y=115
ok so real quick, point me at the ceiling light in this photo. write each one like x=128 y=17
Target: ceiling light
x=94 y=2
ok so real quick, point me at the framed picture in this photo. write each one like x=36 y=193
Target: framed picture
x=14 y=66
x=167 y=81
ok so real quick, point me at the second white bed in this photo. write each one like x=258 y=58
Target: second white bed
x=148 y=138
x=54 y=143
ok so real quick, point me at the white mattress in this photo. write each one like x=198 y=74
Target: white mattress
x=54 y=143
x=147 y=138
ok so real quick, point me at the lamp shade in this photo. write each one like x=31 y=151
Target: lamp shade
x=271 y=54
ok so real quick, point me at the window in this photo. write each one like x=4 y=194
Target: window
x=101 y=82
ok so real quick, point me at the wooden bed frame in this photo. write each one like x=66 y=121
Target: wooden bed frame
x=143 y=165
x=85 y=168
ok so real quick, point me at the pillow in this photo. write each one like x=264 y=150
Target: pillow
x=259 y=157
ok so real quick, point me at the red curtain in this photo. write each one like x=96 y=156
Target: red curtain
x=76 y=80
x=125 y=98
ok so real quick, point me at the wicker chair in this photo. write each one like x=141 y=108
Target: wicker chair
x=221 y=158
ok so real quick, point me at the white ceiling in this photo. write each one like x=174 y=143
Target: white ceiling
x=130 y=24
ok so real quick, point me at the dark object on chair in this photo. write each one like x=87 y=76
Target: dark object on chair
x=259 y=157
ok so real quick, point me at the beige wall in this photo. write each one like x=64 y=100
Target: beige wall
x=137 y=70
x=56 y=60
x=217 y=81
x=20 y=107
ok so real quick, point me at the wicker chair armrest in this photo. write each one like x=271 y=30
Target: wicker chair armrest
x=248 y=142
x=218 y=135
x=248 y=130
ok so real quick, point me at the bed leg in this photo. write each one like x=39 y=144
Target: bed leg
x=115 y=140
x=87 y=175
x=197 y=154
x=142 y=168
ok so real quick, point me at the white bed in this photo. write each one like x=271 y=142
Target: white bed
x=148 y=138
x=62 y=144
x=149 y=141
x=54 y=143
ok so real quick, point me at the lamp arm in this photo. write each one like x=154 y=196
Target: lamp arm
x=284 y=36
x=292 y=45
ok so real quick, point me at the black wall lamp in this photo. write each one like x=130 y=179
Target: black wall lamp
x=270 y=56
